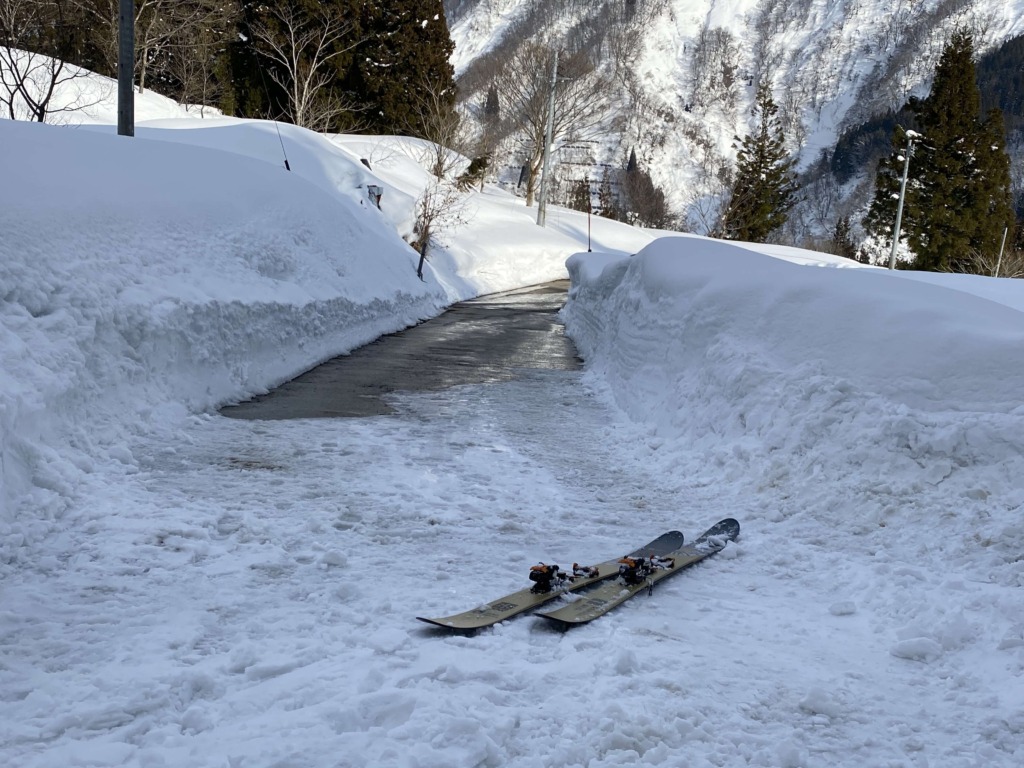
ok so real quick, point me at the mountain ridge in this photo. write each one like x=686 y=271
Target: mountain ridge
x=690 y=71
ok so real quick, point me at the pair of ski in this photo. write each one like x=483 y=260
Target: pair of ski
x=608 y=590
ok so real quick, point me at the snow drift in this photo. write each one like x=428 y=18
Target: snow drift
x=150 y=275
x=903 y=393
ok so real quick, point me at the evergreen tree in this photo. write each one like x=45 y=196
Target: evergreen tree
x=607 y=201
x=994 y=202
x=842 y=239
x=947 y=170
x=958 y=197
x=644 y=202
x=579 y=196
x=405 y=53
x=492 y=106
x=631 y=164
x=762 y=192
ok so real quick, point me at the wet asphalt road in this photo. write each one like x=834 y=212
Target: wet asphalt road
x=490 y=339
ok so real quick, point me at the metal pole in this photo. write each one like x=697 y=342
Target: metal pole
x=542 y=203
x=126 y=69
x=589 y=212
x=999 y=261
x=899 y=207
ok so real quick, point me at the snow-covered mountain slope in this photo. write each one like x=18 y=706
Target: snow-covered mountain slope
x=684 y=72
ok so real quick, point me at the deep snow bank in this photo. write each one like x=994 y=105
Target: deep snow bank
x=147 y=279
x=934 y=346
x=760 y=366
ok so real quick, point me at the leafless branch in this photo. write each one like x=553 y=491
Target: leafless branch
x=303 y=45
x=525 y=89
x=444 y=129
x=28 y=79
x=440 y=207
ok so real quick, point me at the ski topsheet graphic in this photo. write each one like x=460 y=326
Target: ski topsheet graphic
x=549 y=582
x=636 y=575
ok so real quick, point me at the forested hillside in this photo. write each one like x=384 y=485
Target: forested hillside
x=656 y=103
x=1001 y=82
x=678 y=79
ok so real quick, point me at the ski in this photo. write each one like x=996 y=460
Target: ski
x=525 y=599
x=638 y=577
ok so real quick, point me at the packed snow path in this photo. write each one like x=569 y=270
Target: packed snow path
x=244 y=595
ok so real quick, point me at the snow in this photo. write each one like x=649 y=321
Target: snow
x=182 y=589
x=832 y=65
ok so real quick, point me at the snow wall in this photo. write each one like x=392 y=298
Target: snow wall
x=760 y=367
x=144 y=280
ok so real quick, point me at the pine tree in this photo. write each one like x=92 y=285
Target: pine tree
x=631 y=164
x=762 y=192
x=579 y=196
x=958 y=197
x=405 y=53
x=492 y=106
x=607 y=201
x=949 y=122
x=994 y=210
x=644 y=202
x=842 y=239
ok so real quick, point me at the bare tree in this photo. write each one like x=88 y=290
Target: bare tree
x=437 y=209
x=624 y=40
x=715 y=68
x=160 y=26
x=645 y=203
x=443 y=127
x=705 y=209
x=28 y=78
x=196 y=57
x=1009 y=264
x=821 y=195
x=305 y=45
x=524 y=90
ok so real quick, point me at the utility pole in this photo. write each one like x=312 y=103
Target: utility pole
x=126 y=68
x=542 y=202
x=911 y=135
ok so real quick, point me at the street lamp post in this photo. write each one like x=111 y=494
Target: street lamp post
x=911 y=137
x=542 y=202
